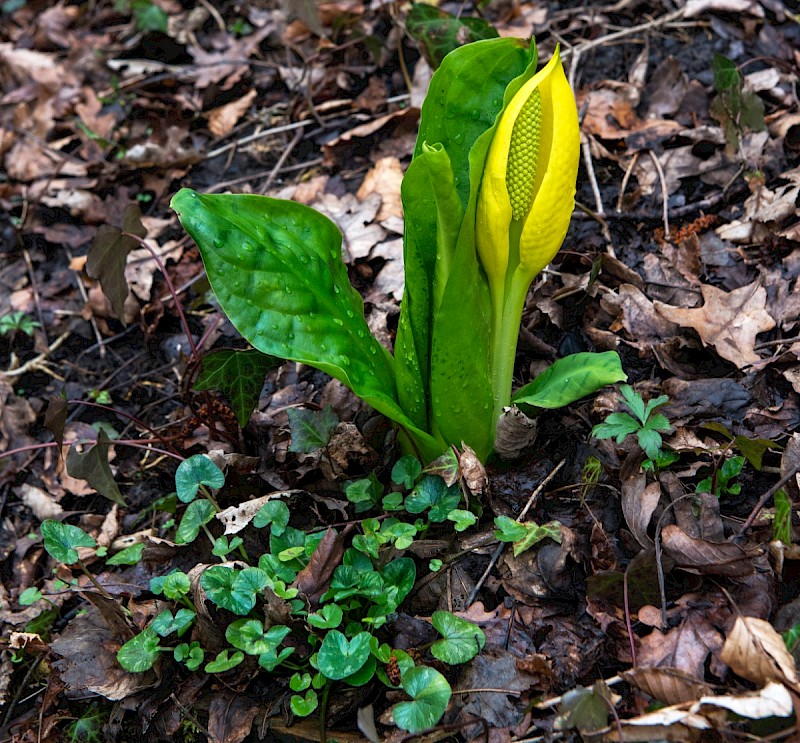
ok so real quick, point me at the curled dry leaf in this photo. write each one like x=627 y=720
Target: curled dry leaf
x=668 y=685
x=515 y=432
x=236 y=518
x=221 y=120
x=473 y=471
x=755 y=651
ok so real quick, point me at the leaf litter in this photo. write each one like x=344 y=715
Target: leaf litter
x=684 y=257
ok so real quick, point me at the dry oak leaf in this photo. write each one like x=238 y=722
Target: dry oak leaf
x=755 y=651
x=221 y=120
x=729 y=321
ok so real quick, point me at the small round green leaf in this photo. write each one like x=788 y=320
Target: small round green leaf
x=462 y=639
x=196 y=471
x=339 y=657
x=328 y=617
x=430 y=693
x=61 y=540
x=274 y=512
x=197 y=514
x=139 y=653
x=304 y=706
x=249 y=635
x=128 y=556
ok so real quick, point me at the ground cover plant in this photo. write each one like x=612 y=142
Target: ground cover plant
x=562 y=503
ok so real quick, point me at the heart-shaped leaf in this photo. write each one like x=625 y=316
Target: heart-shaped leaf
x=60 y=540
x=328 y=617
x=197 y=514
x=139 y=653
x=224 y=662
x=249 y=635
x=304 y=706
x=339 y=657
x=165 y=623
x=196 y=471
x=430 y=693
x=462 y=639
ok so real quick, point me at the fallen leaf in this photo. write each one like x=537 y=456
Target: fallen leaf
x=667 y=685
x=384 y=179
x=707 y=558
x=729 y=321
x=221 y=120
x=357 y=221
x=313 y=579
x=755 y=651
x=40 y=502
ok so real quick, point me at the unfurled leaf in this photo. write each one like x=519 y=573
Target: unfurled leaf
x=139 y=653
x=462 y=519
x=128 y=556
x=239 y=375
x=61 y=540
x=190 y=655
x=430 y=694
x=339 y=657
x=224 y=661
x=274 y=513
x=193 y=472
x=328 y=617
x=93 y=467
x=197 y=514
x=571 y=378
x=461 y=642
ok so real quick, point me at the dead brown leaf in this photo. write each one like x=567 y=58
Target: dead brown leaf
x=222 y=119
x=238 y=517
x=728 y=321
x=313 y=579
x=668 y=685
x=639 y=501
x=384 y=179
x=707 y=558
x=755 y=651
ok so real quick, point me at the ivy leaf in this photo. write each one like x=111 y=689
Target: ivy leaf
x=224 y=661
x=430 y=693
x=311 y=429
x=462 y=639
x=139 y=653
x=197 y=514
x=239 y=375
x=93 y=467
x=61 y=540
x=339 y=657
x=193 y=472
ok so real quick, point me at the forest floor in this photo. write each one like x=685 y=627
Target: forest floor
x=643 y=597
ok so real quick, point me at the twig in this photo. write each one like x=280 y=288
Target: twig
x=499 y=549
x=257 y=136
x=36 y=295
x=222 y=185
x=553 y=701
x=625 y=178
x=282 y=159
x=85 y=297
x=664 y=195
x=598 y=200
x=136 y=443
x=215 y=15
x=38 y=363
x=763 y=499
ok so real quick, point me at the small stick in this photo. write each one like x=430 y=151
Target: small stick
x=282 y=159
x=664 y=195
x=37 y=363
x=624 y=185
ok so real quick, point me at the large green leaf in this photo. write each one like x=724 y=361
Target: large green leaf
x=276 y=268
x=460 y=386
x=571 y=378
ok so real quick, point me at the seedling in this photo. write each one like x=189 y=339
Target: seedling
x=647 y=424
x=17 y=322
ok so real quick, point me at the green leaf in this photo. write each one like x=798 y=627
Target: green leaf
x=165 y=623
x=328 y=617
x=93 y=467
x=509 y=530
x=363 y=675
x=311 y=429
x=432 y=493
x=249 y=635
x=726 y=76
x=61 y=540
x=634 y=402
x=398 y=578
x=222 y=547
x=270 y=660
x=616 y=425
x=430 y=693
x=139 y=653
x=197 y=514
x=149 y=16
x=239 y=375
x=191 y=655
x=462 y=639
x=535 y=534
x=276 y=513
x=224 y=661
x=571 y=378
x=127 y=556
x=462 y=519
x=438 y=33
x=174 y=586
x=276 y=268
x=299 y=682
x=233 y=590
x=781 y=526
x=650 y=441
x=584 y=709
x=339 y=657
x=193 y=472
x=406 y=470
x=304 y=706
x=30 y=596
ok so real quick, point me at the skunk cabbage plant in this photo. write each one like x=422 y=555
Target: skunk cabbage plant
x=487 y=201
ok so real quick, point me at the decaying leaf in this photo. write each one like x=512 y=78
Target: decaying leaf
x=728 y=321
x=757 y=652
x=707 y=558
